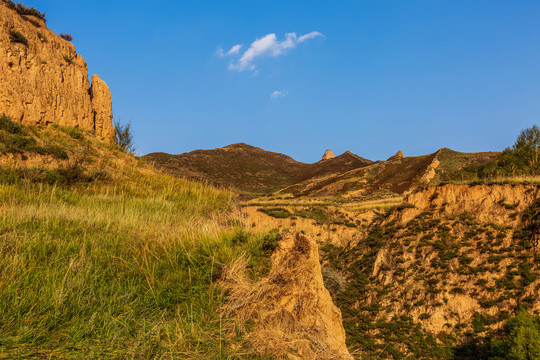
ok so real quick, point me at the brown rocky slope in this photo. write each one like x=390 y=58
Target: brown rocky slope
x=448 y=266
x=44 y=81
x=398 y=174
x=249 y=169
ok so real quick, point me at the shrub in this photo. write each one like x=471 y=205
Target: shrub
x=17 y=37
x=74 y=132
x=523 y=337
x=123 y=137
x=25 y=10
x=277 y=212
x=271 y=242
x=8 y=125
x=334 y=281
x=68 y=58
x=67 y=37
x=32 y=21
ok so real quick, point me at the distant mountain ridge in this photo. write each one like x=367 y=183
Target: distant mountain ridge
x=250 y=169
x=253 y=171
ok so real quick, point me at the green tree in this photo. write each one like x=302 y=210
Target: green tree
x=523 y=341
x=123 y=136
x=524 y=156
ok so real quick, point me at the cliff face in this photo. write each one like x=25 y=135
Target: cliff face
x=44 y=81
x=454 y=260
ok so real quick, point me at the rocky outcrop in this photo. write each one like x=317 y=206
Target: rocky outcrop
x=102 y=108
x=328 y=154
x=44 y=81
x=398 y=156
x=292 y=313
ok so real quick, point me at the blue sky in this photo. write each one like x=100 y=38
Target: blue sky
x=372 y=77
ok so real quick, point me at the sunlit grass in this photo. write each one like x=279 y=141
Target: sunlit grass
x=374 y=204
x=524 y=180
x=122 y=268
x=342 y=203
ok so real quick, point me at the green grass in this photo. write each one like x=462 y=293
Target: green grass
x=17 y=37
x=126 y=267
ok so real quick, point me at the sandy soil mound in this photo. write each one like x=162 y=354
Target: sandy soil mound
x=292 y=313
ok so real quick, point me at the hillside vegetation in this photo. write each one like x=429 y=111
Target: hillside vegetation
x=104 y=257
x=249 y=170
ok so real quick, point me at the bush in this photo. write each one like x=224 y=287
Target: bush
x=68 y=58
x=334 y=281
x=75 y=132
x=277 y=212
x=8 y=125
x=17 y=37
x=123 y=137
x=523 y=341
x=41 y=37
x=25 y=10
x=67 y=37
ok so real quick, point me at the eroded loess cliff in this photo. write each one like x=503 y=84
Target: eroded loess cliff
x=44 y=81
x=450 y=264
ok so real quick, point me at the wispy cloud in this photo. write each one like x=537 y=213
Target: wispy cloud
x=232 y=51
x=277 y=94
x=268 y=45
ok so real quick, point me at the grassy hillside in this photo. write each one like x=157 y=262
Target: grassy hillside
x=248 y=169
x=103 y=257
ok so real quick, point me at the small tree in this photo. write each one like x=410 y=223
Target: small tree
x=524 y=336
x=123 y=136
x=524 y=155
x=527 y=147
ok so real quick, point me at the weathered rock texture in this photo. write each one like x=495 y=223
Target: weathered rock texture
x=46 y=81
x=102 y=108
x=292 y=311
x=398 y=156
x=328 y=154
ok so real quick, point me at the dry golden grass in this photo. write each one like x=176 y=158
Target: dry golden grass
x=288 y=311
x=119 y=266
x=524 y=180
x=342 y=203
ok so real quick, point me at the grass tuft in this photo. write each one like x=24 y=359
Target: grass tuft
x=17 y=37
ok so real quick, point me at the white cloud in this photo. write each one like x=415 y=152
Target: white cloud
x=234 y=50
x=311 y=35
x=277 y=94
x=268 y=45
x=219 y=52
